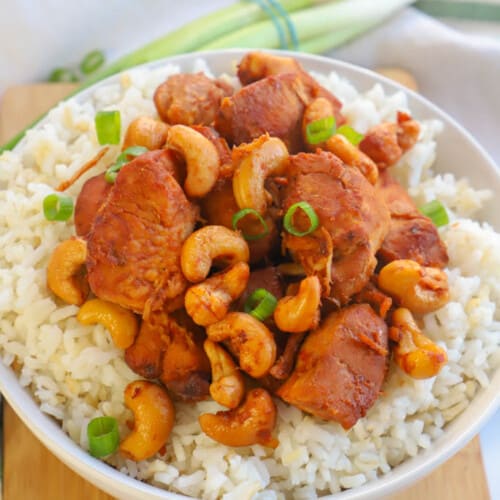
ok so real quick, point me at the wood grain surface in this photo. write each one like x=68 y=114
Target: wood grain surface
x=32 y=472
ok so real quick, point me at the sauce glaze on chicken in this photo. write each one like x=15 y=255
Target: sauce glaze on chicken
x=155 y=250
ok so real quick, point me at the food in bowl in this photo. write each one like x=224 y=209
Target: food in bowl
x=77 y=373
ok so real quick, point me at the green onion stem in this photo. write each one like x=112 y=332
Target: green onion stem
x=311 y=23
x=195 y=34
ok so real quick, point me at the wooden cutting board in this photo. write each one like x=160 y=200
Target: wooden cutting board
x=32 y=472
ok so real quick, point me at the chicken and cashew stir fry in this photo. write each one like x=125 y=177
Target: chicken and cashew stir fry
x=248 y=245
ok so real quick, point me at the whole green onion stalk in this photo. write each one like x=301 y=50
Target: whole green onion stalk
x=320 y=25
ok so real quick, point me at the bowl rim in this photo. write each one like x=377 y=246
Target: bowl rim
x=103 y=476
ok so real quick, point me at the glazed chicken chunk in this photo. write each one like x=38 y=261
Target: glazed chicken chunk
x=353 y=222
x=190 y=99
x=411 y=235
x=134 y=245
x=252 y=111
x=166 y=350
x=340 y=367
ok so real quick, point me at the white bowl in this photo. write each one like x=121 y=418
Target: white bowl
x=457 y=152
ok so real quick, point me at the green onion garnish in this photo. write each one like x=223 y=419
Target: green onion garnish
x=261 y=304
x=309 y=211
x=91 y=62
x=63 y=75
x=123 y=158
x=250 y=211
x=353 y=136
x=57 y=207
x=436 y=212
x=108 y=127
x=320 y=130
x=103 y=436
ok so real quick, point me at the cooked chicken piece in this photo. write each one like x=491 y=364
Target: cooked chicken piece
x=190 y=99
x=268 y=278
x=283 y=367
x=385 y=143
x=252 y=111
x=340 y=367
x=218 y=208
x=411 y=234
x=95 y=191
x=89 y=201
x=258 y=65
x=226 y=164
x=164 y=349
x=353 y=223
x=185 y=368
x=134 y=245
x=380 y=302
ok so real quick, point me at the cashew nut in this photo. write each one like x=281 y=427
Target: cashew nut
x=249 y=338
x=147 y=132
x=121 y=323
x=66 y=271
x=154 y=416
x=340 y=146
x=208 y=244
x=300 y=312
x=254 y=162
x=251 y=423
x=318 y=109
x=421 y=289
x=201 y=156
x=209 y=301
x=414 y=353
x=228 y=385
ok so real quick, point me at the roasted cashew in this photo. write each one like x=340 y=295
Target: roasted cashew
x=228 y=385
x=211 y=243
x=249 y=338
x=421 y=289
x=300 y=312
x=317 y=109
x=254 y=162
x=121 y=323
x=340 y=146
x=414 y=353
x=147 y=132
x=154 y=416
x=251 y=423
x=201 y=156
x=65 y=271
x=209 y=301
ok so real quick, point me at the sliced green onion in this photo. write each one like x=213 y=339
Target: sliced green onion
x=91 y=62
x=57 y=207
x=436 y=212
x=353 y=136
x=133 y=151
x=250 y=211
x=261 y=304
x=123 y=158
x=108 y=127
x=311 y=215
x=63 y=75
x=320 y=130
x=103 y=436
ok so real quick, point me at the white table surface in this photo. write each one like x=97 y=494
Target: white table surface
x=37 y=36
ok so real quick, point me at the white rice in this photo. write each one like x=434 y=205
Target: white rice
x=76 y=374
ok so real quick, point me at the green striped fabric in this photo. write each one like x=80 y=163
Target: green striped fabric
x=471 y=11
